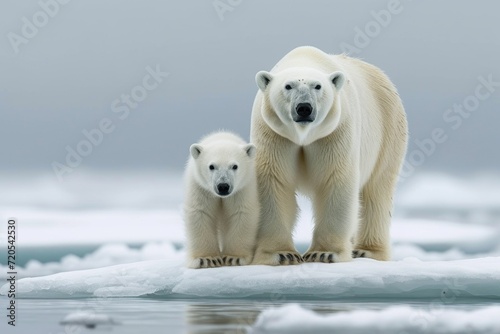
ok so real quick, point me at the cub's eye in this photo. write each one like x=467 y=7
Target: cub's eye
x=318 y=87
x=212 y=167
x=288 y=87
x=235 y=167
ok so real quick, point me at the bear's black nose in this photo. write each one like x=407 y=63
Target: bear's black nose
x=223 y=189
x=304 y=109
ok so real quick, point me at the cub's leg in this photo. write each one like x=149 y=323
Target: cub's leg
x=239 y=231
x=202 y=240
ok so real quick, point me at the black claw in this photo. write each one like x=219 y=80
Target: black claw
x=214 y=262
x=238 y=262
x=220 y=261
x=307 y=257
x=362 y=254
x=231 y=261
x=321 y=257
x=330 y=258
x=290 y=257
x=224 y=258
x=355 y=253
x=299 y=260
x=313 y=257
x=282 y=259
x=201 y=262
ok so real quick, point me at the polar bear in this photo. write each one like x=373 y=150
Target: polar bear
x=333 y=128
x=221 y=207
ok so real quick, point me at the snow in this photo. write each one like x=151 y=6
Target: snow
x=158 y=230
x=293 y=318
x=361 y=278
x=451 y=258
x=120 y=253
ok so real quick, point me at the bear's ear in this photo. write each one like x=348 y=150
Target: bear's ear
x=250 y=150
x=337 y=78
x=263 y=79
x=195 y=150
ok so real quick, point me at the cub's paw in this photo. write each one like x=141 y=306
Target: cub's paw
x=230 y=260
x=206 y=262
x=359 y=253
x=325 y=257
x=278 y=258
x=377 y=255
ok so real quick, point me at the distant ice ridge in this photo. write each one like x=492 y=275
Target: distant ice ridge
x=445 y=191
x=158 y=190
x=104 y=256
x=92 y=190
x=361 y=278
x=293 y=318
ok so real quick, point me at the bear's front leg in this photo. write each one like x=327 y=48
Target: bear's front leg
x=239 y=232
x=202 y=241
x=336 y=219
x=277 y=219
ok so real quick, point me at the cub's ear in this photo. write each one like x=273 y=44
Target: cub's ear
x=263 y=79
x=195 y=150
x=338 y=79
x=250 y=150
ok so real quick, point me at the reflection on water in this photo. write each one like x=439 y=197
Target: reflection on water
x=229 y=317
x=146 y=315
x=236 y=317
x=221 y=317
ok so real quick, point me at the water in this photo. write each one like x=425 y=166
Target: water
x=145 y=315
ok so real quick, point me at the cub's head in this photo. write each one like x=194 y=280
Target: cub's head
x=223 y=168
x=301 y=99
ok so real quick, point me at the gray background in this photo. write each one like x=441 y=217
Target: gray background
x=66 y=77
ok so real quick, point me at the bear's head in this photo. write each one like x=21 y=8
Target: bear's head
x=223 y=168
x=301 y=99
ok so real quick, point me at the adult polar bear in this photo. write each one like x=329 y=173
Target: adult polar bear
x=334 y=128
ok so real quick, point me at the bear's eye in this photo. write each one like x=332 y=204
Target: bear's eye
x=318 y=87
x=235 y=167
x=288 y=87
x=211 y=167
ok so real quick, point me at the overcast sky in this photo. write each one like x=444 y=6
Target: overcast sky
x=75 y=70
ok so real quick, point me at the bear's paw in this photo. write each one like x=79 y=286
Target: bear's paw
x=206 y=262
x=230 y=260
x=278 y=258
x=372 y=254
x=324 y=257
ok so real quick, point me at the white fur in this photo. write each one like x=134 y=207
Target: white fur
x=221 y=229
x=346 y=159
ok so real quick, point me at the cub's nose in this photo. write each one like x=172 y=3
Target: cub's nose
x=223 y=189
x=304 y=109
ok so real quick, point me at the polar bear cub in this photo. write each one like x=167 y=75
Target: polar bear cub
x=221 y=207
